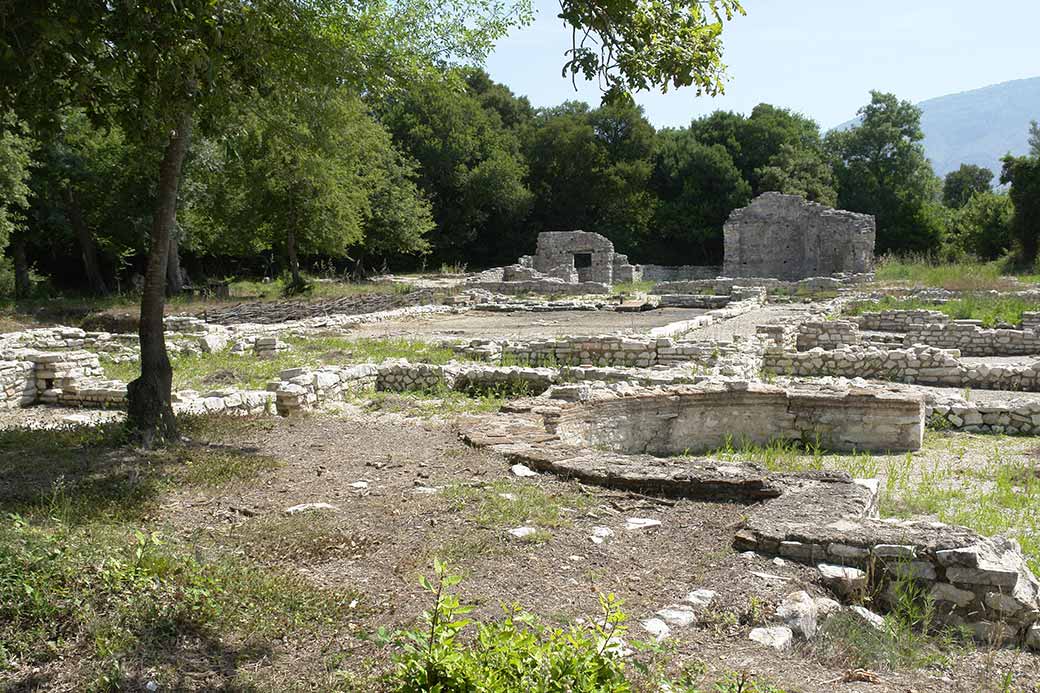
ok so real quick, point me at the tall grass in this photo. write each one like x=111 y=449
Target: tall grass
x=922 y=270
x=991 y=310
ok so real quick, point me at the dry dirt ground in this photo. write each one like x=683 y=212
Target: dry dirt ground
x=385 y=533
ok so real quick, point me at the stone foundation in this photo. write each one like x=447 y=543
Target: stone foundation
x=677 y=420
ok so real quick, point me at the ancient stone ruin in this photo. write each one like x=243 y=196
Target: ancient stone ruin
x=579 y=256
x=786 y=237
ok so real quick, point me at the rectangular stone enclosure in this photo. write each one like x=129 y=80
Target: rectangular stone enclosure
x=590 y=255
x=690 y=420
x=786 y=237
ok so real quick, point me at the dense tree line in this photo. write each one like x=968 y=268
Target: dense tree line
x=459 y=170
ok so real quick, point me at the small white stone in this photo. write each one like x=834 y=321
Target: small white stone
x=869 y=616
x=777 y=637
x=310 y=507
x=657 y=628
x=359 y=485
x=522 y=470
x=678 y=615
x=635 y=523
x=701 y=599
x=602 y=535
x=508 y=496
x=521 y=532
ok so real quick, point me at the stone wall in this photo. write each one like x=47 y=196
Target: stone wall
x=567 y=248
x=700 y=418
x=616 y=352
x=786 y=237
x=694 y=300
x=826 y=334
x=899 y=320
x=922 y=365
x=17 y=384
x=726 y=285
x=974 y=340
x=665 y=273
x=541 y=286
x=936 y=329
x=303 y=388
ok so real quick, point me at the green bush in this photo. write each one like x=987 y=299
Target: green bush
x=516 y=653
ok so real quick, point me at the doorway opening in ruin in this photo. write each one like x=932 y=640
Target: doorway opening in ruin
x=582 y=260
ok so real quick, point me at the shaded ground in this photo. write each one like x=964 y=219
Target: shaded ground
x=387 y=530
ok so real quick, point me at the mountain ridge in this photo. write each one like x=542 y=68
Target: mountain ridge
x=978 y=126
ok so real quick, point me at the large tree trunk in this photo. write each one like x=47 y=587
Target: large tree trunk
x=294 y=259
x=87 y=247
x=174 y=280
x=22 y=283
x=149 y=406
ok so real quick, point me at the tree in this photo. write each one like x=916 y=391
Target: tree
x=882 y=170
x=960 y=185
x=312 y=175
x=1022 y=173
x=800 y=171
x=590 y=169
x=698 y=186
x=630 y=45
x=1034 y=139
x=15 y=161
x=158 y=68
x=470 y=164
x=982 y=226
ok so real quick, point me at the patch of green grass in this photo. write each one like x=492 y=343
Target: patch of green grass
x=122 y=604
x=958 y=276
x=632 y=287
x=300 y=538
x=223 y=369
x=989 y=309
x=984 y=482
x=90 y=475
x=505 y=504
x=441 y=401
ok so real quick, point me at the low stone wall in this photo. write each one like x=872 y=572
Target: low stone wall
x=938 y=330
x=709 y=301
x=979 y=583
x=725 y=285
x=17 y=384
x=303 y=388
x=541 y=286
x=614 y=351
x=708 y=416
x=922 y=365
x=899 y=320
x=972 y=339
x=666 y=273
x=826 y=334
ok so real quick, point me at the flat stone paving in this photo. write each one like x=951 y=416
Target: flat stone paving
x=744 y=325
x=479 y=324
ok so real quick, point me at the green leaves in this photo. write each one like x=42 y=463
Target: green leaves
x=516 y=653
x=634 y=45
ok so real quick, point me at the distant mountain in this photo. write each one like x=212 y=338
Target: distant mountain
x=979 y=126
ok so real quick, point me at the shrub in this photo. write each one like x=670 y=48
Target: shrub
x=516 y=653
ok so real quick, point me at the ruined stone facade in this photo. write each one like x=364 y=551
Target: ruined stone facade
x=786 y=237
x=563 y=253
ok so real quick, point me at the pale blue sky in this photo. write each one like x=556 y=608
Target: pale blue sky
x=817 y=57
